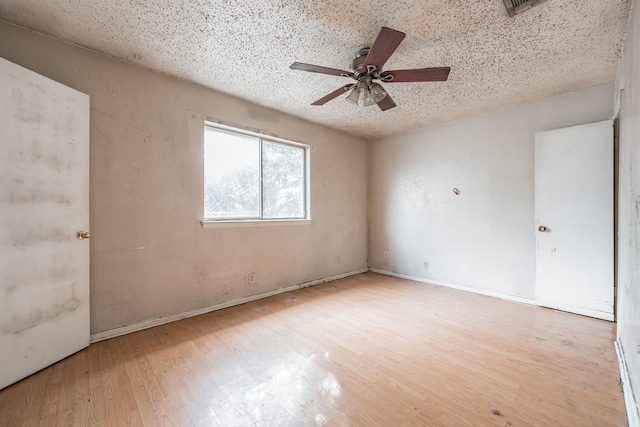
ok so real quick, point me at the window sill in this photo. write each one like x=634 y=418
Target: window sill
x=253 y=223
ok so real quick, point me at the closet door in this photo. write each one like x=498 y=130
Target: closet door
x=574 y=219
x=44 y=211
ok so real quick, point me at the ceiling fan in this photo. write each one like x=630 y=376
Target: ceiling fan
x=366 y=70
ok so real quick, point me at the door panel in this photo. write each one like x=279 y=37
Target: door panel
x=574 y=202
x=44 y=202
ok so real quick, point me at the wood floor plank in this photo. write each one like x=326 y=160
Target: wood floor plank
x=97 y=403
x=69 y=380
x=121 y=406
x=51 y=400
x=368 y=350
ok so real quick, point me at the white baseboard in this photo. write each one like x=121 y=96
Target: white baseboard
x=629 y=399
x=123 y=330
x=462 y=288
x=576 y=309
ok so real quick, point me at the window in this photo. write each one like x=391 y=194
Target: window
x=248 y=176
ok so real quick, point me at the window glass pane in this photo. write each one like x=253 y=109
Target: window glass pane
x=231 y=175
x=283 y=181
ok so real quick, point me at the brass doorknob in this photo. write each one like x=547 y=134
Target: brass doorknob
x=83 y=235
x=542 y=228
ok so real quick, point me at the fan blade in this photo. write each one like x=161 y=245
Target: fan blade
x=386 y=43
x=333 y=94
x=438 y=74
x=386 y=103
x=318 y=69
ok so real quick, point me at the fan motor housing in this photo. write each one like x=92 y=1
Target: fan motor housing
x=357 y=65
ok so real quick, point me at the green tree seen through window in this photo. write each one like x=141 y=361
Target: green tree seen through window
x=248 y=177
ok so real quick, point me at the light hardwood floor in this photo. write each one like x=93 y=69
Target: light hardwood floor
x=368 y=350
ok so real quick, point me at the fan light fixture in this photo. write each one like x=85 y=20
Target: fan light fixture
x=366 y=94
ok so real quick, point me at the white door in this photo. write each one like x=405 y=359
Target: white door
x=574 y=219
x=44 y=202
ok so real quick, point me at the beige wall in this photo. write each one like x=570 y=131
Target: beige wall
x=150 y=257
x=484 y=238
x=628 y=309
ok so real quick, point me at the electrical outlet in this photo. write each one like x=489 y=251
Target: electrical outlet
x=339 y=259
x=426 y=265
x=252 y=278
x=386 y=254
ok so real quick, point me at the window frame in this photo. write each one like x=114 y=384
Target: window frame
x=210 y=222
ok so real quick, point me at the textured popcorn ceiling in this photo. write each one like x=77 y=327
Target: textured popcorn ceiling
x=244 y=48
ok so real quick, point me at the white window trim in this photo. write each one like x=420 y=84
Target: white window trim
x=258 y=222
x=253 y=223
